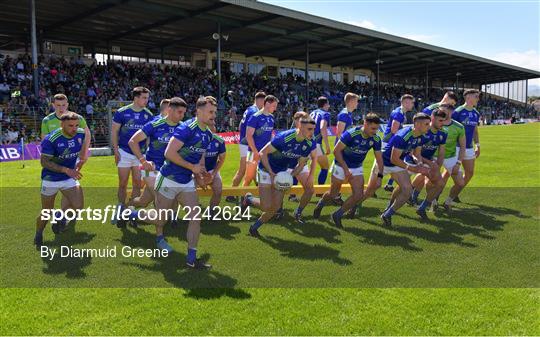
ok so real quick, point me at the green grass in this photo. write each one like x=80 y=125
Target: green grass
x=472 y=273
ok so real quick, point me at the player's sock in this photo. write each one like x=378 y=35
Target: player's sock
x=449 y=201
x=322 y=176
x=425 y=204
x=294 y=181
x=389 y=212
x=257 y=224
x=191 y=255
x=298 y=210
x=134 y=215
x=339 y=212
x=415 y=194
x=390 y=182
x=117 y=213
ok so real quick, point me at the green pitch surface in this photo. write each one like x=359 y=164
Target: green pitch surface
x=474 y=272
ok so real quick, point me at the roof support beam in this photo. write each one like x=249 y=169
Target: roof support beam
x=81 y=16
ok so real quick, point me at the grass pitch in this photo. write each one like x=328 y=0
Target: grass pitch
x=474 y=272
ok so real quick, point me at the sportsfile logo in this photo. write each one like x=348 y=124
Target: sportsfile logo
x=112 y=212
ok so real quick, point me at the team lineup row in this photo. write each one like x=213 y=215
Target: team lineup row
x=170 y=158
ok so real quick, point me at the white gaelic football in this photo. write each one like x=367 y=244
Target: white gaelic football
x=283 y=181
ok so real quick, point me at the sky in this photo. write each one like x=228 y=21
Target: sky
x=505 y=31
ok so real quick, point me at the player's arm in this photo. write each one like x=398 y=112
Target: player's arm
x=396 y=160
x=338 y=154
x=476 y=139
x=266 y=150
x=440 y=157
x=339 y=129
x=171 y=154
x=380 y=163
x=115 y=130
x=302 y=161
x=44 y=130
x=395 y=127
x=462 y=141
x=324 y=134
x=83 y=157
x=133 y=143
x=250 y=131
x=220 y=162
x=48 y=163
x=313 y=165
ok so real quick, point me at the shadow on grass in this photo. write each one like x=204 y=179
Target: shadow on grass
x=204 y=284
x=380 y=238
x=300 y=250
x=72 y=267
x=310 y=229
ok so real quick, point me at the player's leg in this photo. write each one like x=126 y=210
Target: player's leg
x=148 y=193
x=136 y=182
x=123 y=179
x=357 y=186
x=322 y=160
x=164 y=200
x=266 y=194
x=47 y=202
x=459 y=184
x=418 y=184
x=190 y=199
x=241 y=172
x=405 y=188
x=217 y=188
x=251 y=169
x=309 y=190
x=434 y=185
x=337 y=179
x=373 y=185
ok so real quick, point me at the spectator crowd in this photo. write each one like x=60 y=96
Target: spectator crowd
x=90 y=87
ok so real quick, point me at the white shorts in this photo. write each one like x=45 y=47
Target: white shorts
x=127 y=159
x=449 y=163
x=149 y=174
x=244 y=149
x=49 y=188
x=217 y=177
x=339 y=172
x=387 y=169
x=469 y=154
x=305 y=169
x=170 y=188
x=319 y=150
x=250 y=156
x=263 y=177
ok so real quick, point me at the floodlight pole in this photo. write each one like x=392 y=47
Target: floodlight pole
x=427 y=83
x=306 y=70
x=378 y=61
x=34 y=47
x=218 y=56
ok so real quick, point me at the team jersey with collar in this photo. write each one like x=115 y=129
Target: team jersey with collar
x=51 y=123
x=159 y=132
x=215 y=148
x=396 y=115
x=195 y=140
x=250 y=111
x=130 y=121
x=357 y=146
x=288 y=150
x=470 y=120
x=403 y=140
x=264 y=126
x=318 y=116
x=64 y=151
x=432 y=141
x=429 y=109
